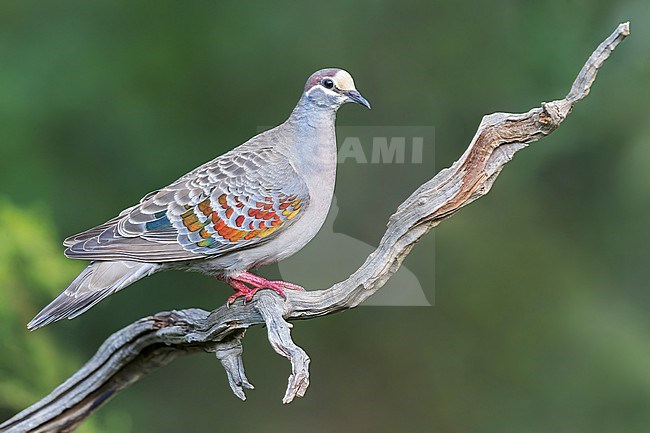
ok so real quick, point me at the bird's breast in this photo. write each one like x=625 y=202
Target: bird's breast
x=313 y=157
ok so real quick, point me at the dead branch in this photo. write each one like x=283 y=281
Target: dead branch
x=152 y=342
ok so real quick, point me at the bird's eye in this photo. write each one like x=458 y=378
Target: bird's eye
x=328 y=83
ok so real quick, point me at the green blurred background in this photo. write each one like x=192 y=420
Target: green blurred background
x=541 y=297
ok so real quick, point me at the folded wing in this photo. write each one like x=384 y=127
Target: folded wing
x=241 y=199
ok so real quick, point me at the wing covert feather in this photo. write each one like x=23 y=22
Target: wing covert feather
x=240 y=199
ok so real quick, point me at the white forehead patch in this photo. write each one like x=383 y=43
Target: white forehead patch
x=343 y=80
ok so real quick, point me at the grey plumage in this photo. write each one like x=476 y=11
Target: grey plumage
x=254 y=205
x=96 y=282
x=248 y=170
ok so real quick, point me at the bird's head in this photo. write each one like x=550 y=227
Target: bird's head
x=332 y=88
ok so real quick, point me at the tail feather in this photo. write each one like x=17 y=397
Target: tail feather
x=96 y=282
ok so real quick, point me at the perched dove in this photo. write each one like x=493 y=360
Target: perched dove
x=252 y=206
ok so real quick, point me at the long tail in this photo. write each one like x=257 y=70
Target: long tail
x=96 y=282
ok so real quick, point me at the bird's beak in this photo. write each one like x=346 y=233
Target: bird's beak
x=355 y=96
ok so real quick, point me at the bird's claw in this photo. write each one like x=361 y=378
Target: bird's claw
x=288 y=286
x=250 y=293
x=242 y=282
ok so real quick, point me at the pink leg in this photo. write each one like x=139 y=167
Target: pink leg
x=241 y=289
x=242 y=282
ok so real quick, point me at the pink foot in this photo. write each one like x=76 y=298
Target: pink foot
x=242 y=282
x=241 y=289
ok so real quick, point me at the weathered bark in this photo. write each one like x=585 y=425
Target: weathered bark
x=152 y=342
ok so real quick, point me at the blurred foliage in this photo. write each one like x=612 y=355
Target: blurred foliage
x=541 y=289
x=31 y=365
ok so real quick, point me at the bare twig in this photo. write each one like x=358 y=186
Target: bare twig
x=152 y=342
